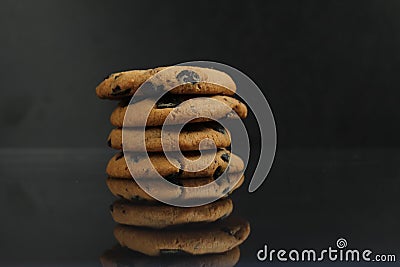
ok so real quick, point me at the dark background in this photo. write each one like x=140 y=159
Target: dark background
x=329 y=69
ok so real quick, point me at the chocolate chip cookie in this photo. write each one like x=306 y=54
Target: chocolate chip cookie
x=166 y=104
x=157 y=215
x=128 y=189
x=217 y=237
x=183 y=80
x=209 y=134
x=117 y=166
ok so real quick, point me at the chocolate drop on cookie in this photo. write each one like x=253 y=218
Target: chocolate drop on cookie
x=225 y=157
x=228 y=231
x=119 y=156
x=188 y=76
x=217 y=172
x=118 y=92
x=116 y=89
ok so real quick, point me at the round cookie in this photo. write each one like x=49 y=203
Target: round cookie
x=189 y=138
x=117 y=167
x=157 y=215
x=192 y=80
x=217 y=237
x=128 y=189
x=167 y=103
x=119 y=256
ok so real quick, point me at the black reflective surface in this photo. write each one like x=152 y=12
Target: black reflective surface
x=55 y=202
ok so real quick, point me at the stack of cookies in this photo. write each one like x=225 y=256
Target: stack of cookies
x=144 y=224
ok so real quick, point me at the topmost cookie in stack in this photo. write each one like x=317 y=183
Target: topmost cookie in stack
x=191 y=80
x=138 y=208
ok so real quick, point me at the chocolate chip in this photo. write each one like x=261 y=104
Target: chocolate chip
x=218 y=127
x=137 y=198
x=226 y=190
x=117 y=76
x=172 y=251
x=117 y=91
x=228 y=231
x=220 y=181
x=135 y=158
x=188 y=76
x=217 y=172
x=109 y=142
x=112 y=208
x=225 y=157
x=119 y=156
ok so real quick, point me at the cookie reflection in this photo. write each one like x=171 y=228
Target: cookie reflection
x=195 y=244
x=119 y=256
